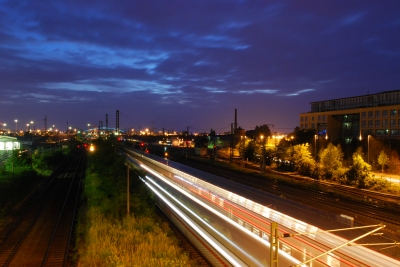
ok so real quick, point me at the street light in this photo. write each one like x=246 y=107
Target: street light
x=315 y=146
x=368 y=147
x=263 y=155
x=242 y=139
x=16 y=126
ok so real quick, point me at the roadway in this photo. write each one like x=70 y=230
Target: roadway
x=391 y=177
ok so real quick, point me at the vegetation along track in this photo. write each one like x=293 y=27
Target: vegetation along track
x=42 y=236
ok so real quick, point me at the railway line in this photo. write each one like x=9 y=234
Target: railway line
x=358 y=201
x=361 y=207
x=222 y=200
x=379 y=199
x=42 y=235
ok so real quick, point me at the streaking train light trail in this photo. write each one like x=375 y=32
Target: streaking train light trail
x=242 y=226
x=223 y=217
x=211 y=241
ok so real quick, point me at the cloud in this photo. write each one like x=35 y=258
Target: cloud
x=299 y=92
x=260 y=91
x=161 y=57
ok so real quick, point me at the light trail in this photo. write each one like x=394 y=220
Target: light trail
x=349 y=256
x=199 y=231
x=221 y=216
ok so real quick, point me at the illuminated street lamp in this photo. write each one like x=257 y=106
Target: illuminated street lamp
x=263 y=154
x=368 y=147
x=33 y=125
x=16 y=126
x=242 y=145
x=315 y=146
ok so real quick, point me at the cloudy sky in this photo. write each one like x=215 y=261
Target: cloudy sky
x=177 y=63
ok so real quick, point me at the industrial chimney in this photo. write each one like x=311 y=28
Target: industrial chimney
x=235 y=120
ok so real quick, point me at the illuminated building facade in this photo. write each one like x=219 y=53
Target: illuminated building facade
x=355 y=117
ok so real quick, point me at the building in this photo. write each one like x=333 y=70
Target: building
x=355 y=117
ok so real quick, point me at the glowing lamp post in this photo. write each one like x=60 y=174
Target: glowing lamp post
x=368 y=147
x=263 y=154
x=315 y=146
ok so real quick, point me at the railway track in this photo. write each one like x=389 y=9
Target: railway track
x=42 y=235
x=356 y=202
x=186 y=245
x=377 y=198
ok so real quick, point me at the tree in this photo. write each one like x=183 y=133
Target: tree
x=212 y=136
x=331 y=159
x=394 y=163
x=359 y=151
x=359 y=171
x=301 y=158
x=383 y=159
x=250 y=150
x=302 y=136
x=262 y=130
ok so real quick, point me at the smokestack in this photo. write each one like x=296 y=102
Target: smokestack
x=107 y=124
x=235 y=119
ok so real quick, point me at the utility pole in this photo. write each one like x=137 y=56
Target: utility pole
x=106 y=124
x=127 y=192
x=45 y=123
x=117 y=121
x=187 y=130
x=231 y=146
x=274 y=245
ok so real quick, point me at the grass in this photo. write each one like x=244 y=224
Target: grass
x=106 y=236
x=128 y=242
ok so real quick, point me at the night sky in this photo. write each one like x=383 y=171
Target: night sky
x=172 y=64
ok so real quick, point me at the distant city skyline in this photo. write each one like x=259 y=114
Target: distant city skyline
x=174 y=64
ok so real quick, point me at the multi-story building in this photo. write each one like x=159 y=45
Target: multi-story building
x=355 y=117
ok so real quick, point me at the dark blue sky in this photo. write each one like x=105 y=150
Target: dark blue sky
x=175 y=64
